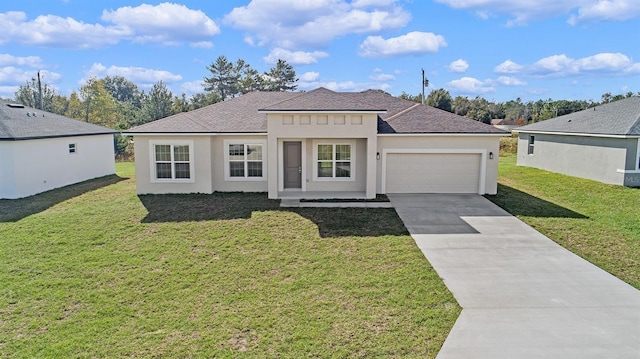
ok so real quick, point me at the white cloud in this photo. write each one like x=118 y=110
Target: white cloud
x=191 y=87
x=617 y=10
x=139 y=75
x=524 y=11
x=412 y=43
x=382 y=77
x=471 y=85
x=166 y=23
x=459 y=66
x=294 y=57
x=309 y=76
x=313 y=23
x=508 y=67
x=30 y=61
x=604 y=63
x=510 y=81
x=55 y=31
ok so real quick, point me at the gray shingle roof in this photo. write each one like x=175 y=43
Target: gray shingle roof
x=236 y=115
x=619 y=118
x=248 y=113
x=322 y=99
x=25 y=123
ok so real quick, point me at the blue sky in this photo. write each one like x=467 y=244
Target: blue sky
x=498 y=49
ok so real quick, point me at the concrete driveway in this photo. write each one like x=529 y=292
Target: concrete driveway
x=523 y=296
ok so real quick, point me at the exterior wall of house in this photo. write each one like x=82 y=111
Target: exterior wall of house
x=309 y=128
x=601 y=159
x=483 y=145
x=219 y=164
x=201 y=165
x=40 y=165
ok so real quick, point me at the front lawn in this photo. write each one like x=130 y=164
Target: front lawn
x=596 y=221
x=95 y=271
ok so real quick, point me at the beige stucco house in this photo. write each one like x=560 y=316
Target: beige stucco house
x=316 y=144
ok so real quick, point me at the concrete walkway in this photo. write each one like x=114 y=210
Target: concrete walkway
x=523 y=296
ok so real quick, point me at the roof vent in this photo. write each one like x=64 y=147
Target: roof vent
x=28 y=114
x=34 y=114
x=15 y=105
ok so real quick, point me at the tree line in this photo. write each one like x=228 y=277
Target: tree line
x=480 y=109
x=117 y=103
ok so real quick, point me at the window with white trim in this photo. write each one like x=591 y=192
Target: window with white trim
x=334 y=161
x=244 y=160
x=73 y=148
x=530 y=148
x=638 y=163
x=172 y=161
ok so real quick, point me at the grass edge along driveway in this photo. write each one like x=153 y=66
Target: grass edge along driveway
x=93 y=270
x=597 y=221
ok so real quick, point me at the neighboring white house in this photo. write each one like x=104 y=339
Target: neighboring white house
x=40 y=151
x=316 y=144
x=601 y=143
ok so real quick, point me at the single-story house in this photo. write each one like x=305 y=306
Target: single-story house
x=600 y=143
x=316 y=144
x=40 y=151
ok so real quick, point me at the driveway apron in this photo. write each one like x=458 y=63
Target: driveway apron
x=523 y=295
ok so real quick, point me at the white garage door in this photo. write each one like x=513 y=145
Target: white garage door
x=433 y=172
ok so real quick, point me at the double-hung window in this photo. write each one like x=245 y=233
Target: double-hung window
x=244 y=160
x=172 y=161
x=73 y=148
x=334 y=161
x=531 y=144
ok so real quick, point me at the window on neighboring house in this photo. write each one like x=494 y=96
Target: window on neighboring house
x=73 y=148
x=334 y=161
x=245 y=160
x=172 y=161
x=532 y=140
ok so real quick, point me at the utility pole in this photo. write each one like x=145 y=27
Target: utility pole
x=40 y=92
x=425 y=83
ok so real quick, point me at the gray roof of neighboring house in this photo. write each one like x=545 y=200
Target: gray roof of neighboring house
x=619 y=118
x=19 y=122
x=248 y=114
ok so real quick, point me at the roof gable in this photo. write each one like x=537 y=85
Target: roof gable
x=619 y=118
x=24 y=123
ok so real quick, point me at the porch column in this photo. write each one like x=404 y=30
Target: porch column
x=372 y=166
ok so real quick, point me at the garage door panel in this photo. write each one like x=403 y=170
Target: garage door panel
x=432 y=172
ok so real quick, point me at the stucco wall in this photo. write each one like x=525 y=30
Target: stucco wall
x=328 y=127
x=220 y=184
x=596 y=158
x=446 y=142
x=40 y=165
x=201 y=164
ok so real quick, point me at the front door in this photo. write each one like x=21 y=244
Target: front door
x=292 y=164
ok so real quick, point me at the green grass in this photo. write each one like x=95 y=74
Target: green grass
x=596 y=221
x=93 y=271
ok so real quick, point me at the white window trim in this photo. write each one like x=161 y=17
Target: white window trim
x=152 y=154
x=636 y=170
x=352 y=143
x=245 y=142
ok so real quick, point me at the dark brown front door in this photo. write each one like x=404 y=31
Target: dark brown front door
x=292 y=164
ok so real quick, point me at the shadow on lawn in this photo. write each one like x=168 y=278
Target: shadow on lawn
x=331 y=222
x=519 y=203
x=13 y=210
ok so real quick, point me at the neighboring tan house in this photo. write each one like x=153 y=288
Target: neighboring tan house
x=601 y=143
x=40 y=151
x=317 y=144
x=506 y=125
